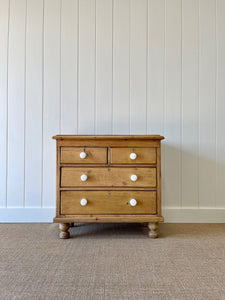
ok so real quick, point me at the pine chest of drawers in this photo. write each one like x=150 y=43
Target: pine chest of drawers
x=108 y=179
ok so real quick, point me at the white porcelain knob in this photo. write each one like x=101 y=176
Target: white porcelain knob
x=83 y=155
x=83 y=177
x=133 y=202
x=133 y=156
x=83 y=202
x=133 y=177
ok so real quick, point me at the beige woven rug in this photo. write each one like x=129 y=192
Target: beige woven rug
x=112 y=261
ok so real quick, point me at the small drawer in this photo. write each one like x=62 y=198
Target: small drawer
x=108 y=177
x=83 y=155
x=133 y=155
x=108 y=202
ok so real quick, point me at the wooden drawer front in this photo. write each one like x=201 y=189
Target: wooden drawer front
x=71 y=155
x=108 y=177
x=104 y=202
x=122 y=155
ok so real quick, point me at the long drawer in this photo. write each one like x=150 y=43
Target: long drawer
x=108 y=177
x=108 y=202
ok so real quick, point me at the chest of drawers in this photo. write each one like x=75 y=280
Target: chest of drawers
x=108 y=179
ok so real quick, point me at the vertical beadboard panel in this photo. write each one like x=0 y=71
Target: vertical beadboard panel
x=103 y=66
x=51 y=100
x=113 y=66
x=172 y=172
x=86 y=79
x=190 y=34
x=156 y=74
x=69 y=44
x=33 y=130
x=138 y=66
x=207 y=85
x=4 y=21
x=155 y=83
x=121 y=67
x=220 y=103
x=16 y=104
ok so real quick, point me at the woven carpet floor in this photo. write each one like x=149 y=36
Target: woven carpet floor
x=112 y=261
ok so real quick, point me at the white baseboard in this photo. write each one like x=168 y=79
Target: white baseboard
x=171 y=215
x=27 y=215
x=194 y=215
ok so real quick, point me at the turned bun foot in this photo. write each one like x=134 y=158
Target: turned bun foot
x=153 y=230
x=64 y=233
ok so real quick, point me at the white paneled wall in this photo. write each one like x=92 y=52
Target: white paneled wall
x=113 y=67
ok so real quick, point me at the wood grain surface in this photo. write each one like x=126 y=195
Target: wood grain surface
x=108 y=202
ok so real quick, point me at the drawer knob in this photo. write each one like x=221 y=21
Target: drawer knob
x=83 y=177
x=133 y=177
x=83 y=202
x=133 y=202
x=83 y=155
x=133 y=155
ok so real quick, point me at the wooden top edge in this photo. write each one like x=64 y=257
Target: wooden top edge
x=102 y=137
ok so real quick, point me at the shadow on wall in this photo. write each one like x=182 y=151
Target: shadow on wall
x=192 y=177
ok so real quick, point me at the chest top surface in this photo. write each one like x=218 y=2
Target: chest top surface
x=102 y=137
